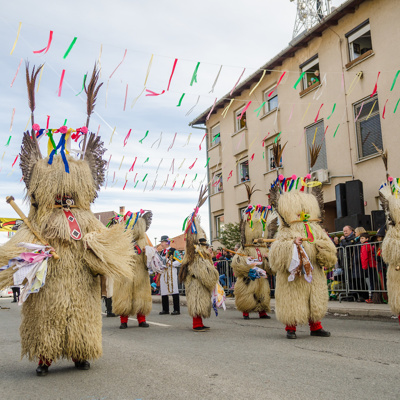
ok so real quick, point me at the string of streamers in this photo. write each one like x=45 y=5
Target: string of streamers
x=70 y=47
x=145 y=136
x=198 y=98
x=376 y=85
x=202 y=141
x=127 y=137
x=126 y=96
x=15 y=76
x=180 y=100
x=123 y=58
x=61 y=82
x=46 y=49
x=258 y=83
x=240 y=77
x=173 y=141
x=194 y=76
x=172 y=73
x=212 y=108
x=16 y=39
x=215 y=81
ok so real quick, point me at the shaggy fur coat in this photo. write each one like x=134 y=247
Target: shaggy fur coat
x=201 y=276
x=63 y=320
x=133 y=296
x=391 y=247
x=299 y=302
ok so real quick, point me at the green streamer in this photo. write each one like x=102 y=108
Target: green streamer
x=206 y=163
x=298 y=80
x=184 y=224
x=195 y=177
x=394 y=80
x=216 y=136
x=141 y=140
x=144 y=178
x=70 y=47
x=83 y=85
x=336 y=130
x=297 y=182
x=136 y=184
x=9 y=139
x=276 y=139
x=260 y=108
x=395 y=109
x=147 y=159
x=65 y=122
x=194 y=76
x=263 y=155
x=334 y=106
x=180 y=100
x=50 y=135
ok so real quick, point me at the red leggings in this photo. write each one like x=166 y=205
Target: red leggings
x=140 y=317
x=260 y=313
x=197 y=322
x=314 y=326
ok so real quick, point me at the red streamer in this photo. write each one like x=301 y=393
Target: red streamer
x=133 y=165
x=384 y=110
x=276 y=87
x=16 y=158
x=244 y=110
x=126 y=137
x=193 y=164
x=202 y=141
x=230 y=175
x=47 y=123
x=12 y=83
x=108 y=164
x=252 y=157
x=376 y=85
x=125 y=184
x=316 y=118
x=61 y=82
x=123 y=58
x=173 y=185
x=151 y=93
x=46 y=49
x=126 y=95
x=172 y=73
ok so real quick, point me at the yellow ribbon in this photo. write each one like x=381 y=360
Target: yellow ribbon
x=310 y=184
x=16 y=40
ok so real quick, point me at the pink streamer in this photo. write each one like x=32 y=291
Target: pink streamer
x=316 y=118
x=263 y=141
x=173 y=185
x=151 y=93
x=126 y=137
x=172 y=73
x=384 y=110
x=12 y=83
x=47 y=123
x=244 y=110
x=133 y=166
x=193 y=164
x=240 y=77
x=125 y=184
x=108 y=164
x=230 y=175
x=173 y=141
x=376 y=85
x=123 y=58
x=276 y=87
x=126 y=95
x=202 y=141
x=16 y=158
x=209 y=114
x=362 y=105
x=98 y=130
x=240 y=141
x=61 y=82
x=46 y=49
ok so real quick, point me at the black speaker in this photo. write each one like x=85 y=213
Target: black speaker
x=378 y=219
x=354 y=221
x=341 y=206
x=354 y=197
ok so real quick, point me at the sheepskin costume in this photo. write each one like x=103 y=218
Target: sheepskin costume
x=391 y=245
x=299 y=301
x=63 y=320
x=252 y=295
x=197 y=270
x=133 y=296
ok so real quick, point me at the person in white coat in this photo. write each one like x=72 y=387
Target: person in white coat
x=169 y=277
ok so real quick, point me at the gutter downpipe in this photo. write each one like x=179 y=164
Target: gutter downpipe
x=208 y=182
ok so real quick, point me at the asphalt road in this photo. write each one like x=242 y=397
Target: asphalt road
x=236 y=359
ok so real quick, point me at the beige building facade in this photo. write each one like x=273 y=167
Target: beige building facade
x=339 y=61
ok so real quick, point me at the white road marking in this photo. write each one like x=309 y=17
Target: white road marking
x=151 y=323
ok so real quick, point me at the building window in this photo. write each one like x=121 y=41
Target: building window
x=311 y=72
x=271 y=100
x=240 y=123
x=241 y=212
x=271 y=160
x=215 y=135
x=368 y=127
x=217 y=184
x=359 y=40
x=315 y=134
x=243 y=171
x=219 y=225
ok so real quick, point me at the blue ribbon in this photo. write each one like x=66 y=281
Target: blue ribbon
x=61 y=145
x=253 y=274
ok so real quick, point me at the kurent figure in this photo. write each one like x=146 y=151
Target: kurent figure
x=61 y=310
x=197 y=271
x=301 y=287
x=133 y=296
x=252 y=291
x=169 y=276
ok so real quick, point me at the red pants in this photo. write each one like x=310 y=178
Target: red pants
x=44 y=361
x=314 y=326
x=197 y=322
x=261 y=314
x=140 y=317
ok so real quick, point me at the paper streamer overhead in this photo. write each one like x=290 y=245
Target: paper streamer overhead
x=198 y=98
x=126 y=137
x=244 y=110
x=316 y=118
x=299 y=80
x=384 y=109
x=394 y=80
x=145 y=136
x=260 y=108
x=172 y=73
x=255 y=87
x=194 y=76
x=193 y=164
x=126 y=96
x=83 y=85
x=180 y=100
x=46 y=49
x=376 y=85
x=333 y=110
x=16 y=39
x=173 y=141
x=123 y=58
x=202 y=140
x=70 y=47
x=15 y=76
x=212 y=109
x=12 y=119
x=240 y=77
x=61 y=82
x=216 y=79
x=279 y=81
x=151 y=93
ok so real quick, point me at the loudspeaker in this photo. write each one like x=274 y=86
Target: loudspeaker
x=354 y=197
x=378 y=219
x=354 y=221
x=341 y=206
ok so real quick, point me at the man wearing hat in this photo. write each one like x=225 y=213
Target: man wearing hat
x=169 y=276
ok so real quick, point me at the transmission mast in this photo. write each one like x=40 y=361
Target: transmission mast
x=309 y=13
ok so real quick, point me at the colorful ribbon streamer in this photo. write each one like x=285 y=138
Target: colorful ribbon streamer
x=194 y=76
x=397 y=104
x=151 y=93
x=376 y=85
x=123 y=58
x=70 y=47
x=212 y=109
x=336 y=130
x=334 y=106
x=198 y=98
x=202 y=141
x=15 y=76
x=215 y=81
x=173 y=141
x=225 y=111
x=244 y=110
x=208 y=160
x=180 y=100
x=83 y=85
x=172 y=73
x=316 y=118
x=394 y=80
x=126 y=96
x=46 y=49
x=279 y=81
x=127 y=137
x=384 y=109
x=16 y=40
x=260 y=108
x=133 y=165
x=12 y=118
x=145 y=136
x=193 y=164
x=298 y=80
x=61 y=82
x=258 y=83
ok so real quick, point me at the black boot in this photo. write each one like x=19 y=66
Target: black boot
x=165 y=305
x=42 y=370
x=82 y=365
x=177 y=309
x=291 y=335
x=109 y=307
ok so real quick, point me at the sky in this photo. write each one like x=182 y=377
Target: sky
x=234 y=34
